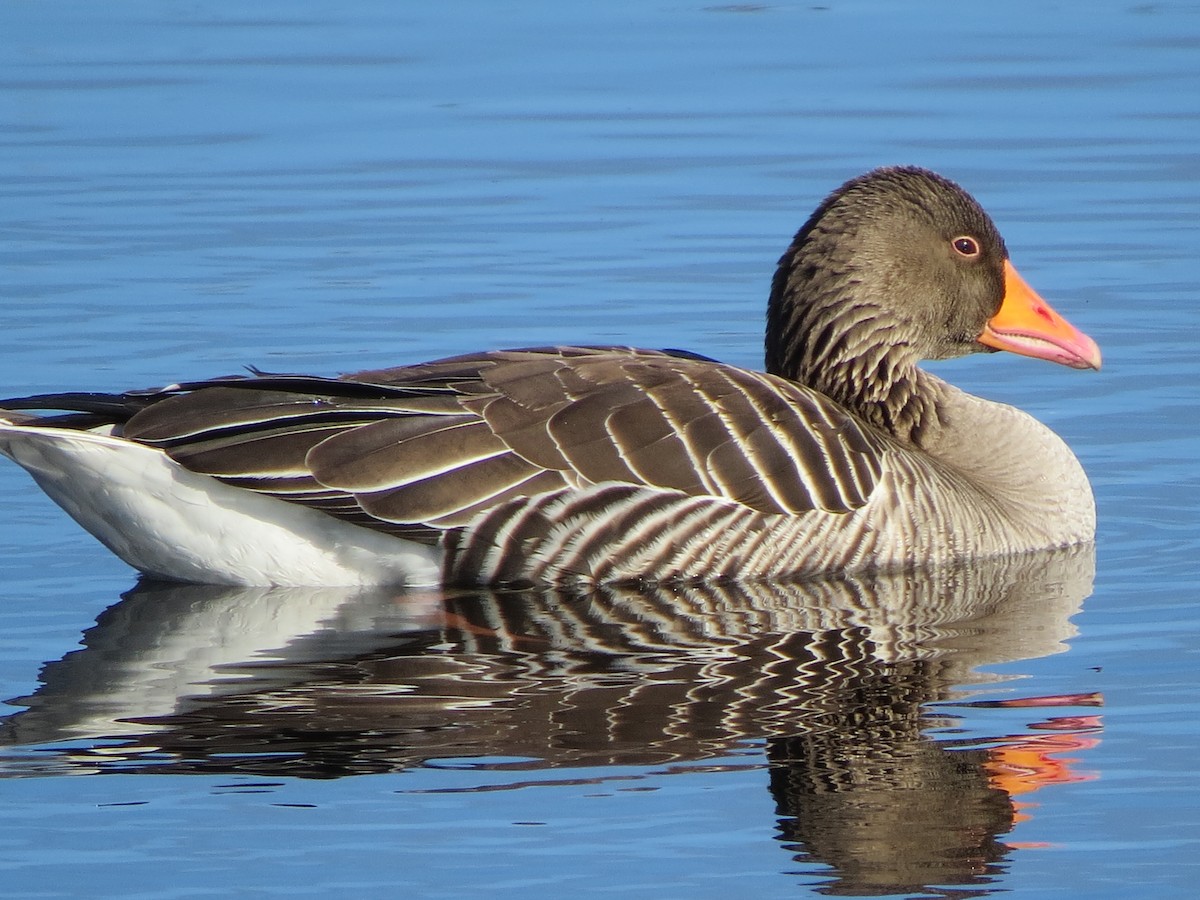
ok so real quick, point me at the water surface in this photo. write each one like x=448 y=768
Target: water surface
x=192 y=188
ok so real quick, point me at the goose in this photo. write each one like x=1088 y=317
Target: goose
x=578 y=465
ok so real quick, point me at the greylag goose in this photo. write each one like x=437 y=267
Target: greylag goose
x=568 y=465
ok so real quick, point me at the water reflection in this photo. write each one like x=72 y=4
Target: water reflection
x=841 y=681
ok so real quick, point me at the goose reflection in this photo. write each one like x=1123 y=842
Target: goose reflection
x=840 y=680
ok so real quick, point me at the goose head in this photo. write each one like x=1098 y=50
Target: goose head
x=897 y=266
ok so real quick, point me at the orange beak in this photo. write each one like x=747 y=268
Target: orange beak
x=1027 y=325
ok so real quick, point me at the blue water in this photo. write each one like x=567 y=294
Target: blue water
x=190 y=188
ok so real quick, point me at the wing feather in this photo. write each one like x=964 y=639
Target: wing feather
x=395 y=452
x=451 y=497
x=430 y=447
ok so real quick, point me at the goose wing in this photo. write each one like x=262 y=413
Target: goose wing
x=420 y=449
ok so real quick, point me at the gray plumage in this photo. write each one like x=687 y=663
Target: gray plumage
x=595 y=464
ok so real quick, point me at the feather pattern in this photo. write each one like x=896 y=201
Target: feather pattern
x=603 y=464
x=527 y=431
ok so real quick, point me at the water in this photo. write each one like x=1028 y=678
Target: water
x=191 y=188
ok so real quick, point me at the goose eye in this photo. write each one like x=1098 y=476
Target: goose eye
x=966 y=246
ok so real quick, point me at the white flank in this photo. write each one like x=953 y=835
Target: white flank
x=166 y=521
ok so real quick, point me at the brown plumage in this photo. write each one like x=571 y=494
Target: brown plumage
x=606 y=463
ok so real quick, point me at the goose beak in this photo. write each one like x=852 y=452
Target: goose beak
x=1027 y=325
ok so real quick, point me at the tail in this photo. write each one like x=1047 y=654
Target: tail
x=85 y=410
x=76 y=410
